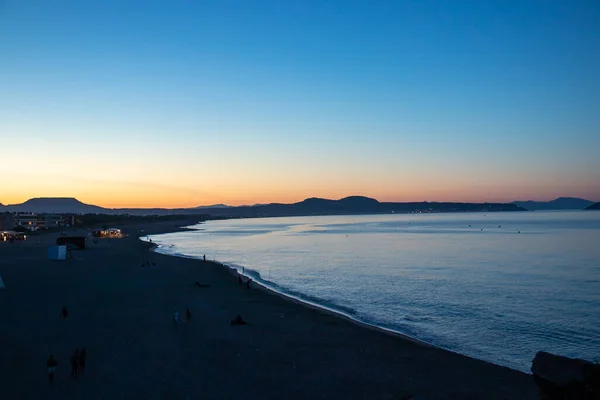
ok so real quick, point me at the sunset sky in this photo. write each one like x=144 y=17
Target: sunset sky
x=186 y=103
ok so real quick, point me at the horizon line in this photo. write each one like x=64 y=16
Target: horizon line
x=293 y=202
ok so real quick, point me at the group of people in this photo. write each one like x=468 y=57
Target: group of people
x=188 y=316
x=77 y=359
x=77 y=364
x=147 y=264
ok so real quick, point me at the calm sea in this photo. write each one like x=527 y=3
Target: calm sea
x=470 y=283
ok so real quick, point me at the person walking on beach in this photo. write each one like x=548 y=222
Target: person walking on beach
x=74 y=364
x=188 y=314
x=82 y=356
x=51 y=365
x=205 y=258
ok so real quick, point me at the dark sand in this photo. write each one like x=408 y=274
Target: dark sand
x=122 y=313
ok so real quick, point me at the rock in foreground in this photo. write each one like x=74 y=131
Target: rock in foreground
x=565 y=378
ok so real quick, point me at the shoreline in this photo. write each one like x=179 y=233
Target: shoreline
x=456 y=308
x=312 y=305
x=264 y=288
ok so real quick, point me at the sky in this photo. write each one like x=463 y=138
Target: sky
x=185 y=103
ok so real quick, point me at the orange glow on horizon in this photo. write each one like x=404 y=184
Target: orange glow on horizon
x=168 y=189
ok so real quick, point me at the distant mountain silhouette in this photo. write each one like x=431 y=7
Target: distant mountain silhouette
x=353 y=205
x=213 y=206
x=55 y=205
x=595 y=206
x=310 y=206
x=562 y=203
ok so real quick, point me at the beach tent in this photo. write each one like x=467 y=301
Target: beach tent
x=57 y=252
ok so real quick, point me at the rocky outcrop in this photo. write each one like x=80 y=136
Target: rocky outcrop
x=565 y=378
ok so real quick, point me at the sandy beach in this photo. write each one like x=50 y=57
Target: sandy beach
x=123 y=314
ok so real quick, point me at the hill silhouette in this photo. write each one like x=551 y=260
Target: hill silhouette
x=354 y=205
x=307 y=207
x=561 y=203
x=595 y=206
x=213 y=206
x=58 y=205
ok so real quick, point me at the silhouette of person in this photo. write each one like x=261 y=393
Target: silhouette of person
x=64 y=312
x=238 y=320
x=82 y=357
x=51 y=365
x=74 y=363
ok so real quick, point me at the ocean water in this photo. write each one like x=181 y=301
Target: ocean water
x=468 y=282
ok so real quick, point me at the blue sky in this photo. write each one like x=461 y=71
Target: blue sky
x=239 y=101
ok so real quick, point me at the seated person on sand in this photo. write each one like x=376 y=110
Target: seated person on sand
x=238 y=320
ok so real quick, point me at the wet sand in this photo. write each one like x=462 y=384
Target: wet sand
x=123 y=314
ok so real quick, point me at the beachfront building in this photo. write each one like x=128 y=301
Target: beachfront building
x=33 y=221
x=27 y=220
x=68 y=219
x=7 y=221
x=49 y=221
